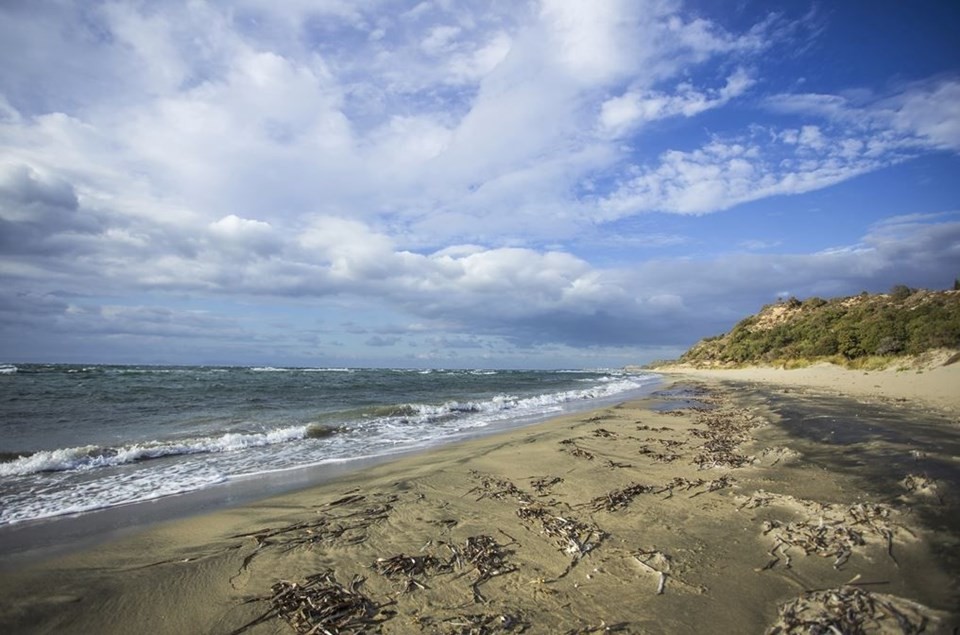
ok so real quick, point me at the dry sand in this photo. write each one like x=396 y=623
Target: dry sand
x=937 y=387
x=686 y=512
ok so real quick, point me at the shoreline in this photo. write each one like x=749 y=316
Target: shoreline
x=56 y=536
x=655 y=515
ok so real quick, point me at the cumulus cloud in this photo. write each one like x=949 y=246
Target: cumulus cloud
x=432 y=163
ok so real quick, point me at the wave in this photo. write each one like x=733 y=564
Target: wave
x=284 y=369
x=91 y=457
x=371 y=424
x=506 y=405
x=8 y=369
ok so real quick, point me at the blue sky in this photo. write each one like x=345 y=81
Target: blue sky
x=551 y=183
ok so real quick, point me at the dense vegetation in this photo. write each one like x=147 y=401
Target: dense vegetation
x=904 y=322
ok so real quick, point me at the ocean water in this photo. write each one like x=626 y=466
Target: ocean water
x=79 y=438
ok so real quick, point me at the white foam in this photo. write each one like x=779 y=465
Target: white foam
x=8 y=369
x=91 y=457
x=61 y=481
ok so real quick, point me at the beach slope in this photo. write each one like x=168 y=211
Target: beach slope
x=703 y=508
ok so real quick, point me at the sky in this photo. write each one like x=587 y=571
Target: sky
x=496 y=184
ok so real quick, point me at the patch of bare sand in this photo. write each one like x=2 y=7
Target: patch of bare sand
x=934 y=385
x=631 y=519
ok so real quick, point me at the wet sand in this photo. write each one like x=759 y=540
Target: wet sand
x=708 y=507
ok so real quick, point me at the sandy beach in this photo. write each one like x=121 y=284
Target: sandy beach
x=935 y=386
x=727 y=502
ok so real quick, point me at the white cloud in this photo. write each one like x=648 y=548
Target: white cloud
x=724 y=173
x=415 y=163
x=923 y=113
x=620 y=114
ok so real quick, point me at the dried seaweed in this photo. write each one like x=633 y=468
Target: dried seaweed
x=679 y=482
x=602 y=627
x=322 y=605
x=601 y=417
x=499 y=489
x=543 y=485
x=404 y=565
x=571 y=536
x=832 y=531
x=717 y=484
x=604 y=433
x=580 y=453
x=486 y=555
x=484 y=624
x=618 y=499
x=333 y=525
x=923 y=485
x=851 y=611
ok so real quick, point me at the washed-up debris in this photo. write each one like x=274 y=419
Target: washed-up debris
x=837 y=541
x=604 y=433
x=334 y=525
x=543 y=485
x=404 y=565
x=671 y=443
x=658 y=457
x=720 y=452
x=678 y=483
x=601 y=417
x=572 y=536
x=922 y=485
x=651 y=429
x=717 y=484
x=499 y=489
x=320 y=604
x=486 y=555
x=655 y=562
x=726 y=429
x=759 y=498
x=830 y=531
x=850 y=610
x=616 y=464
x=602 y=627
x=664 y=457
x=483 y=624
x=620 y=498
x=580 y=453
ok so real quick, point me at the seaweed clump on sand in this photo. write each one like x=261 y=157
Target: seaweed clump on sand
x=320 y=604
x=852 y=611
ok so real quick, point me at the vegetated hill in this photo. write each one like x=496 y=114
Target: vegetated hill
x=855 y=331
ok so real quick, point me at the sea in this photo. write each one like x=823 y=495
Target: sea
x=78 y=438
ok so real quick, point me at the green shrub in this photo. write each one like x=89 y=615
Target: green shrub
x=905 y=322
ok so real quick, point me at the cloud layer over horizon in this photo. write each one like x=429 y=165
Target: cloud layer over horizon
x=552 y=183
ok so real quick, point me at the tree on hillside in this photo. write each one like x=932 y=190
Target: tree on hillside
x=901 y=292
